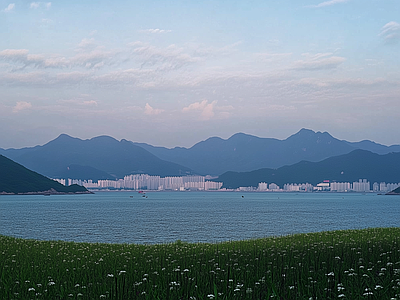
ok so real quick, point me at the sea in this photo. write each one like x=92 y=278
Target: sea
x=165 y=217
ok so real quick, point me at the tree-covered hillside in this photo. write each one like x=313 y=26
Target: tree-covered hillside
x=16 y=179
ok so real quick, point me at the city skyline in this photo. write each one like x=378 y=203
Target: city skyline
x=200 y=183
x=173 y=74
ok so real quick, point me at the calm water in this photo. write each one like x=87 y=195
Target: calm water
x=115 y=217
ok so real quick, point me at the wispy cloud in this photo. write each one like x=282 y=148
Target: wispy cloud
x=155 y=30
x=9 y=8
x=148 y=110
x=87 y=44
x=36 y=5
x=168 y=58
x=270 y=57
x=328 y=3
x=86 y=59
x=22 y=56
x=46 y=21
x=90 y=103
x=21 y=106
x=391 y=32
x=319 y=61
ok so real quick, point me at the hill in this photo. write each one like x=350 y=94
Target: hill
x=394 y=192
x=243 y=152
x=343 y=168
x=16 y=179
x=101 y=157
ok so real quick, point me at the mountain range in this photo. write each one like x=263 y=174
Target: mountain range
x=104 y=157
x=242 y=152
x=101 y=157
x=16 y=179
x=358 y=164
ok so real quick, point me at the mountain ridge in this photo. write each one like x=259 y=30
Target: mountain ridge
x=243 y=152
x=102 y=156
x=350 y=167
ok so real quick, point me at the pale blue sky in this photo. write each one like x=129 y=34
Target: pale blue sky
x=173 y=74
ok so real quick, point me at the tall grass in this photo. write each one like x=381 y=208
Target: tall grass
x=351 y=264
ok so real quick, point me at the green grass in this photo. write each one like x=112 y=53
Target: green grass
x=351 y=264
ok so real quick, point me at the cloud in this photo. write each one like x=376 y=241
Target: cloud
x=36 y=5
x=271 y=57
x=328 y=3
x=21 y=106
x=23 y=57
x=279 y=107
x=46 y=21
x=168 y=58
x=88 y=60
x=319 y=61
x=9 y=8
x=148 y=110
x=155 y=31
x=90 y=103
x=391 y=32
x=87 y=44
x=203 y=51
x=206 y=109
x=13 y=54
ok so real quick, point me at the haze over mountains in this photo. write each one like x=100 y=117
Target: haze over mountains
x=104 y=157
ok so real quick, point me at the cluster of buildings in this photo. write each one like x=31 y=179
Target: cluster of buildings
x=199 y=183
x=148 y=182
x=362 y=185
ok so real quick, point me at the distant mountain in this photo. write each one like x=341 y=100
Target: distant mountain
x=243 y=152
x=358 y=164
x=101 y=157
x=374 y=147
x=16 y=179
x=104 y=157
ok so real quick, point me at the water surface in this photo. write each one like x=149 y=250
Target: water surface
x=127 y=217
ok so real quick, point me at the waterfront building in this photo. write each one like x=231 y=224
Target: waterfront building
x=273 y=187
x=361 y=186
x=341 y=186
x=262 y=186
x=323 y=186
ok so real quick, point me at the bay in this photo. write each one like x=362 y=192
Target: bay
x=163 y=217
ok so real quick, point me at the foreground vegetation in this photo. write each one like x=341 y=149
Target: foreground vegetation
x=352 y=264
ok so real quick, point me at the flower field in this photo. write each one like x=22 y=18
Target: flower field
x=349 y=264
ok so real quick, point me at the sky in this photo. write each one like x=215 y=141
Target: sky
x=173 y=73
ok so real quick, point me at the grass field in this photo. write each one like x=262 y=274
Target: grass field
x=351 y=264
